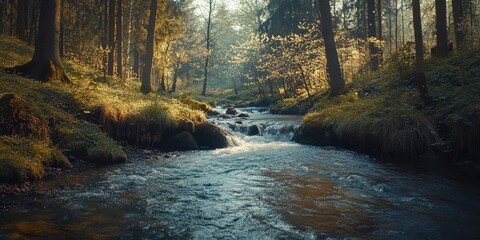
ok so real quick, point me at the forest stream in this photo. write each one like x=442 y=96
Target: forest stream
x=262 y=187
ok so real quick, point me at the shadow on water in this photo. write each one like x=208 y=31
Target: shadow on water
x=262 y=188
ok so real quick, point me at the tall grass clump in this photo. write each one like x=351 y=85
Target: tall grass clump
x=147 y=128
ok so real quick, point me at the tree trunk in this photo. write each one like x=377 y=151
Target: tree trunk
x=372 y=33
x=336 y=81
x=62 y=33
x=46 y=64
x=457 y=9
x=396 y=25
x=380 y=31
x=22 y=17
x=2 y=8
x=33 y=23
x=105 y=37
x=111 y=36
x=420 y=78
x=147 y=73
x=441 y=26
x=175 y=78
x=136 y=62
x=119 y=40
x=207 y=58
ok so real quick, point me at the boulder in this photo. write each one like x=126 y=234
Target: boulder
x=212 y=113
x=243 y=115
x=253 y=130
x=209 y=136
x=183 y=141
x=225 y=116
x=16 y=118
x=187 y=126
x=231 y=111
x=315 y=135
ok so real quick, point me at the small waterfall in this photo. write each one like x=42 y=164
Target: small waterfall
x=258 y=123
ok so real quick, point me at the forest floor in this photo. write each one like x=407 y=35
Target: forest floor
x=382 y=114
x=75 y=115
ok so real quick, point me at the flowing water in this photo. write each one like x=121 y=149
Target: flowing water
x=264 y=187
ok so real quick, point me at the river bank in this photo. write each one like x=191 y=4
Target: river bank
x=382 y=115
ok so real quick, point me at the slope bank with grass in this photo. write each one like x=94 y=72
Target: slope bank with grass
x=82 y=119
x=382 y=114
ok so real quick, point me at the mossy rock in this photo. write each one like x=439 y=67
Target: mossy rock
x=183 y=141
x=315 y=135
x=209 y=136
x=23 y=159
x=17 y=118
x=87 y=141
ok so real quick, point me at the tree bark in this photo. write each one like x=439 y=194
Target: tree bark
x=111 y=36
x=380 y=31
x=2 y=8
x=62 y=33
x=336 y=81
x=46 y=64
x=136 y=62
x=147 y=73
x=421 y=80
x=457 y=9
x=119 y=40
x=33 y=23
x=22 y=18
x=372 y=33
x=175 y=77
x=208 y=39
x=441 y=26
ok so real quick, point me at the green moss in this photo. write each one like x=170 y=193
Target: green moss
x=24 y=159
x=86 y=140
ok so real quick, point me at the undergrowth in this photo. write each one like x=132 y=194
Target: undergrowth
x=382 y=113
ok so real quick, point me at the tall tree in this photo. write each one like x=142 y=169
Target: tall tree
x=119 y=39
x=441 y=27
x=22 y=19
x=147 y=73
x=380 y=30
x=211 y=5
x=335 y=78
x=46 y=64
x=372 y=33
x=2 y=9
x=457 y=9
x=111 y=36
x=421 y=80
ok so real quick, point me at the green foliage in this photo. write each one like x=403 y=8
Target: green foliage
x=403 y=61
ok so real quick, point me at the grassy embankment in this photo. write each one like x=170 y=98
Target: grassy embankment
x=72 y=112
x=382 y=113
